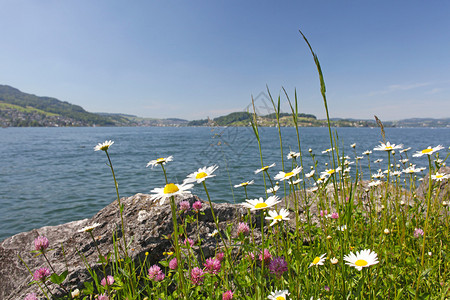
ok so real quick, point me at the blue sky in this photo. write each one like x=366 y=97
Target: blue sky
x=193 y=59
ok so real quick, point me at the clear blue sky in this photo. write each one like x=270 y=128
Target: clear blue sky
x=193 y=59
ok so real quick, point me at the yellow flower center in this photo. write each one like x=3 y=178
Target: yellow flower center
x=261 y=205
x=316 y=260
x=288 y=174
x=104 y=148
x=279 y=217
x=428 y=150
x=244 y=184
x=388 y=148
x=201 y=175
x=171 y=188
x=160 y=160
x=439 y=176
x=330 y=172
x=280 y=298
x=264 y=168
x=361 y=263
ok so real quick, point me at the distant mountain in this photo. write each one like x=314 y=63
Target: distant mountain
x=308 y=120
x=304 y=120
x=22 y=109
x=19 y=109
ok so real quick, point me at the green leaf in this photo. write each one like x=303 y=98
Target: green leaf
x=89 y=288
x=58 y=279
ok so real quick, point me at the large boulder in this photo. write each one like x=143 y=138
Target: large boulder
x=146 y=224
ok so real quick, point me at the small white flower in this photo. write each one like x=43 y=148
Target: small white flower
x=264 y=168
x=201 y=174
x=328 y=150
x=278 y=295
x=89 y=228
x=284 y=176
x=273 y=190
x=353 y=145
x=440 y=176
x=362 y=259
x=214 y=233
x=75 y=293
x=277 y=217
x=318 y=261
x=378 y=160
x=159 y=161
x=342 y=228
x=257 y=204
x=428 y=151
x=329 y=172
x=374 y=183
x=293 y=154
x=296 y=181
x=310 y=174
x=405 y=150
x=169 y=190
x=386 y=231
x=387 y=147
x=412 y=169
x=367 y=152
x=103 y=146
x=334 y=260
x=244 y=183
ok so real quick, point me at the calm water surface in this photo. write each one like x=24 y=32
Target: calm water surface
x=49 y=176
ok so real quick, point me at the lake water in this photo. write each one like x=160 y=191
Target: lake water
x=50 y=176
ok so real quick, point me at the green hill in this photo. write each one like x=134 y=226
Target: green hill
x=22 y=109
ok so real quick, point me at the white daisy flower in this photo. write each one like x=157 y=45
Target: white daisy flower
x=412 y=169
x=257 y=204
x=278 y=295
x=89 y=228
x=264 y=168
x=404 y=161
x=244 y=183
x=201 y=174
x=353 y=145
x=378 y=161
x=293 y=154
x=273 y=190
x=296 y=181
x=387 y=147
x=362 y=259
x=378 y=175
x=103 y=146
x=342 y=228
x=367 y=152
x=277 y=217
x=214 y=233
x=283 y=176
x=318 y=261
x=374 y=183
x=334 y=260
x=329 y=172
x=359 y=157
x=169 y=190
x=440 y=176
x=310 y=174
x=428 y=151
x=405 y=150
x=159 y=161
x=328 y=150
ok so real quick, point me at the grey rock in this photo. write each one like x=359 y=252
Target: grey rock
x=146 y=224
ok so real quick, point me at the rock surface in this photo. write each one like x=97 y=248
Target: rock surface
x=147 y=222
